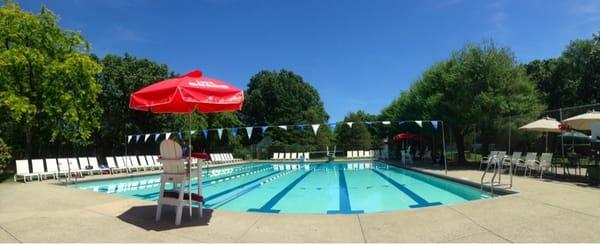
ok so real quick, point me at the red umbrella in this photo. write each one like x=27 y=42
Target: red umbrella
x=403 y=136
x=184 y=95
x=187 y=93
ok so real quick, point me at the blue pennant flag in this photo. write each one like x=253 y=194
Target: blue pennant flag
x=301 y=127
x=264 y=128
x=205 y=132
x=401 y=122
x=369 y=123
x=137 y=138
x=234 y=132
x=180 y=135
x=434 y=123
x=156 y=136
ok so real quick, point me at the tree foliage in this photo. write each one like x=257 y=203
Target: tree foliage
x=571 y=79
x=357 y=137
x=47 y=81
x=284 y=98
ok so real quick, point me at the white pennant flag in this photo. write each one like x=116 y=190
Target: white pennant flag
x=146 y=137
x=220 y=132
x=420 y=123
x=315 y=128
x=284 y=127
x=249 y=131
x=167 y=135
x=386 y=122
x=192 y=132
x=349 y=124
x=129 y=138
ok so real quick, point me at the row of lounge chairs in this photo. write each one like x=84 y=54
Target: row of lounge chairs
x=217 y=158
x=531 y=162
x=360 y=154
x=53 y=167
x=291 y=156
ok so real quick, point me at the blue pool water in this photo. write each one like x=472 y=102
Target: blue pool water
x=324 y=188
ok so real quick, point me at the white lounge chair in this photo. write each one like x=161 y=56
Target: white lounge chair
x=23 y=171
x=306 y=156
x=144 y=163
x=93 y=161
x=85 y=165
x=545 y=163
x=348 y=154
x=134 y=163
x=354 y=154
x=123 y=163
x=275 y=155
x=112 y=166
x=294 y=156
x=74 y=167
x=515 y=159
x=288 y=156
x=151 y=162
x=37 y=167
x=361 y=154
x=52 y=167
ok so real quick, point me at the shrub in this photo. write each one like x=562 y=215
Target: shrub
x=4 y=156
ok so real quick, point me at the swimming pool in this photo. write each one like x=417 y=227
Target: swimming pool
x=321 y=188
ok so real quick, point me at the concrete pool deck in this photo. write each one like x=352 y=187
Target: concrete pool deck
x=542 y=211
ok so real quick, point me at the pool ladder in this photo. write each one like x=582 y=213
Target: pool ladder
x=497 y=164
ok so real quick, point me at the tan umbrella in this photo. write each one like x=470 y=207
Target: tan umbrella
x=583 y=121
x=544 y=125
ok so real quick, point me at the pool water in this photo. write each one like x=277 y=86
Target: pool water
x=322 y=188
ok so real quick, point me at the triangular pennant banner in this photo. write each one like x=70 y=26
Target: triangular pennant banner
x=369 y=123
x=249 y=132
x=180 y=135
x=434 y=123
x=420 y=123
x=264 y=128
x=137 y=138
x=146 y=137
x=234 y=132
x=129 y=138
x=205 y=132
x=315 y=128
x=301 y=127
x=349 y=124
x=284 y=127
x=192 y=132
x=220 y=132
x=401 y=122
x=156 y=136
x=386 y=122
x=167 y=135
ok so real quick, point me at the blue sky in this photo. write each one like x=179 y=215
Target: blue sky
x=358 y=54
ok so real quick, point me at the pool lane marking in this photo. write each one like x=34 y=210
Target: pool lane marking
x=213 y=196
x=345 y=207
x=421 y=202
x=268 y=206
x=246 y=190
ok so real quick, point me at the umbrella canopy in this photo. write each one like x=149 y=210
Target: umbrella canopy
x=583 y=121
x=403 y=136
x=546 y=124
x=575 y=135
x=187 y=93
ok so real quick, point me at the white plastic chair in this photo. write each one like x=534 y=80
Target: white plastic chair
x=23 y=171
x=52 y=167
x=37 y=166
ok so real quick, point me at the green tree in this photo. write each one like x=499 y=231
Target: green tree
x=357 y=137
x=571 y=79
x=47 y=80
x=284 y=98
x=474 y=90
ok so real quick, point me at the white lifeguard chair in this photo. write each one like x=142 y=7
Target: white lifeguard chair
x=176 y=173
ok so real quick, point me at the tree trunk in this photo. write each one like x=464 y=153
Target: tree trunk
x=460 y=145
x=28 y=142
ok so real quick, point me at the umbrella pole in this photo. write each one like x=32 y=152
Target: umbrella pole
x=190 y=162
x=546 y=141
